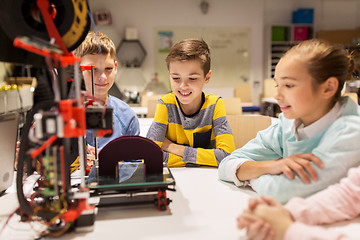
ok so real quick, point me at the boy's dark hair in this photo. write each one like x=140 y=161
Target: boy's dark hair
x=91 y=45
x=190 y=49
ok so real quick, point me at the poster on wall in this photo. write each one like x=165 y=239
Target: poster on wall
x=165 y=41
x=102 y=17
x=229 y=47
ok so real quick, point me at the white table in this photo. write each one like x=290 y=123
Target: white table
x=203 y=207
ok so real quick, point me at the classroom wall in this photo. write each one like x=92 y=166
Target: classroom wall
x=259 y=15
x=145 y=15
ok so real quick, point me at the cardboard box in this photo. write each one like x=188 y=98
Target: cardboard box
x=14 y=100
x=131 y=33
x=20 y=97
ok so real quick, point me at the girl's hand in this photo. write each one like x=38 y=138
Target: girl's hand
x=265 y=219
x=277 y=216
x=298 y=163
x=256 y=228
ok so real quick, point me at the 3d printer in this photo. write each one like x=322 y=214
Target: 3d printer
x=61 y=122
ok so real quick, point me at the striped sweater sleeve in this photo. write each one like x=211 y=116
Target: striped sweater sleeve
x=158 y=128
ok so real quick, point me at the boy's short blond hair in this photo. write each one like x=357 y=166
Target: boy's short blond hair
x=190 y=49
x=91 y=45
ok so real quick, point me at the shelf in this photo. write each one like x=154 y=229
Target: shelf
x=291 y=33
x=130 y=53
x=283 y=37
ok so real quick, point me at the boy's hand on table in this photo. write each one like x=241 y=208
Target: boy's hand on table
x=165 y=145
x=298 y=163
x=169 y=146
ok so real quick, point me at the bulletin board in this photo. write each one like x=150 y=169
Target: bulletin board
x=229 y=48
